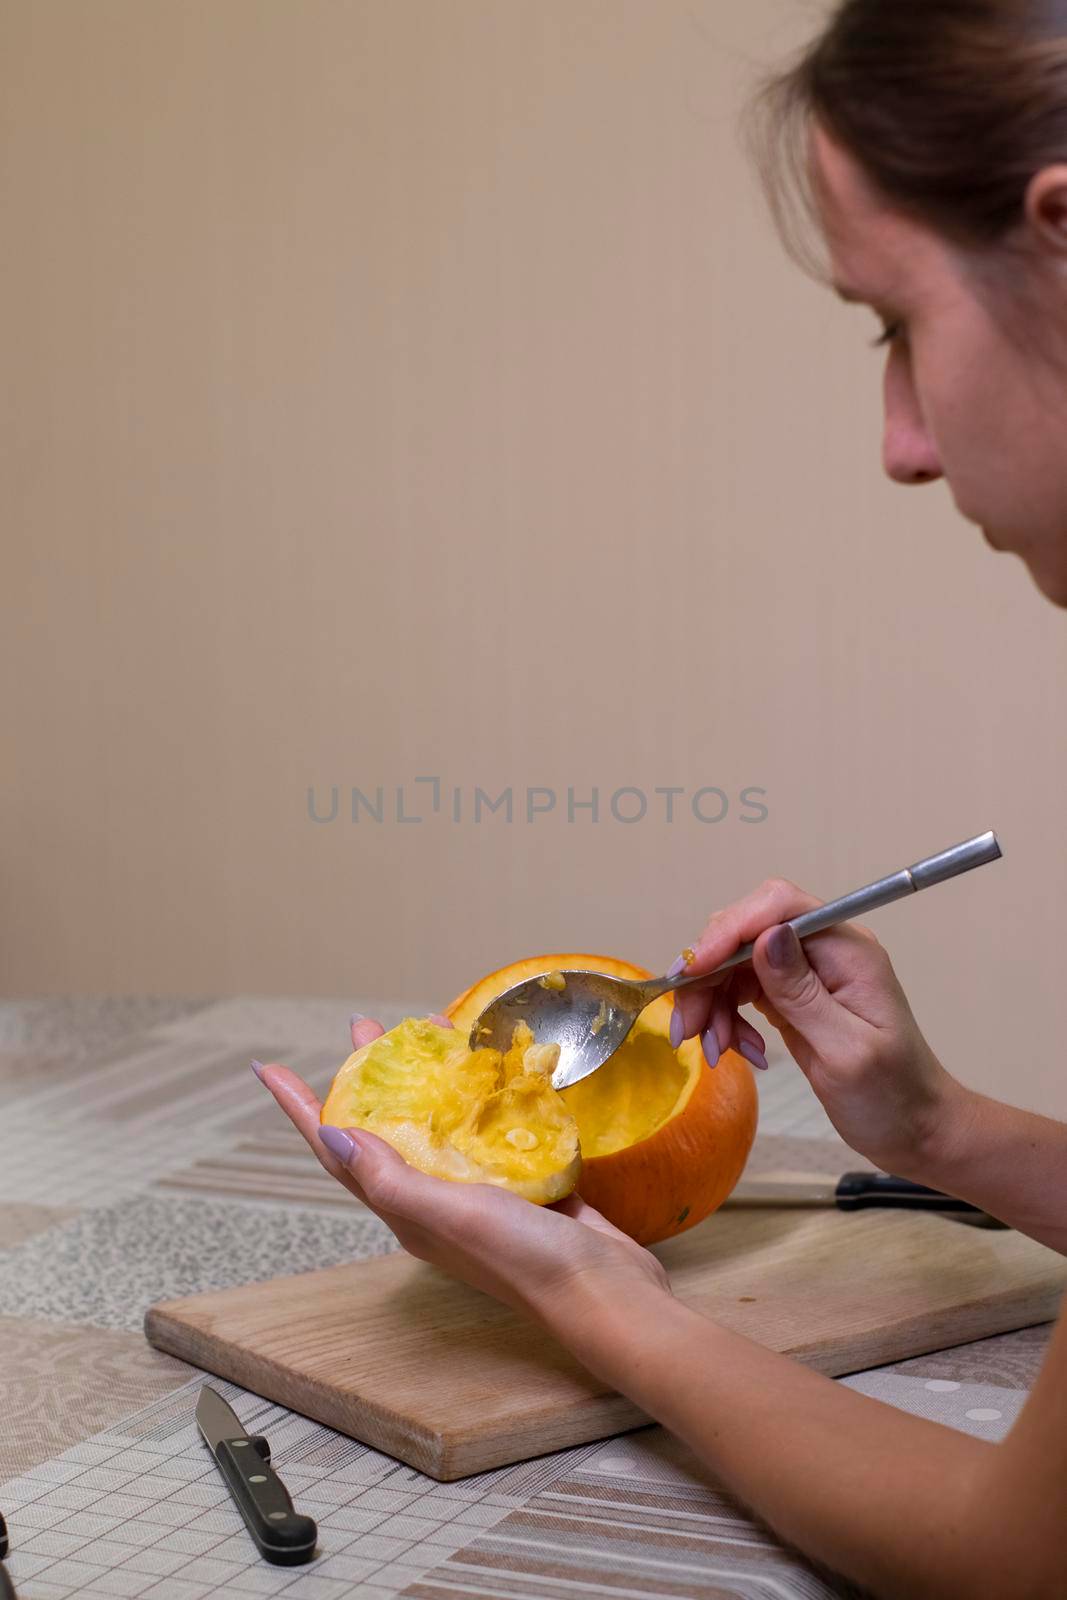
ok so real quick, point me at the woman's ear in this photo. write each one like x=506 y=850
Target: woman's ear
x=1046 y=207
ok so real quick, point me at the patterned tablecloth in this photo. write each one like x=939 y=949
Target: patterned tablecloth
x=141 y=1161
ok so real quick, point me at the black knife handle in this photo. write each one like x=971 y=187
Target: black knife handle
x=7 y=1588
x=281 y=1534
x=857 y=1190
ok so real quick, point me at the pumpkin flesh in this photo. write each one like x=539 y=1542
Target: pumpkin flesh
x=474 y=1116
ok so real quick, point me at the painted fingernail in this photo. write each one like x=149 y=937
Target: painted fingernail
x=257 y=1068
x=357 y=1016
x=782 y=947
x=339 y=1143
x=709 y=1043
x=679 y=966
x=677 y=1029
x=753 y=1055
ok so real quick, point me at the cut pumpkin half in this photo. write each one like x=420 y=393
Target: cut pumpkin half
x=655 y=1139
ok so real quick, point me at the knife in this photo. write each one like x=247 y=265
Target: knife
x=856 y=1191
x=281 y=1534
x=7 y=1588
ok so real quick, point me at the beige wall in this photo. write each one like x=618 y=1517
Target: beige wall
x=398 y=388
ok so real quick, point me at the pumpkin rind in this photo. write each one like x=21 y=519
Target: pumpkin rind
x=684 y=1171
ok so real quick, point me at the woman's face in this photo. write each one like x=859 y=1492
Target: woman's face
x=972 y=390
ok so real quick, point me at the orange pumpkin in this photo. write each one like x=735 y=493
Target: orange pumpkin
x=664 y=1138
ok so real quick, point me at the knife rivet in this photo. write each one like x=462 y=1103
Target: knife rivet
x=239 y=1444
x=257 y=1477
x=277 y=1516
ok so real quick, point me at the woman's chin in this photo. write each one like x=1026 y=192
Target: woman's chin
x=1050 y=578
x=1052 y=584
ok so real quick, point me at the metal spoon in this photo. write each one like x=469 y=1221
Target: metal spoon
x=589 y=1014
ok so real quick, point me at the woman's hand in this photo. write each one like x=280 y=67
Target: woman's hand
x=844 y=1017
x=529 y=1256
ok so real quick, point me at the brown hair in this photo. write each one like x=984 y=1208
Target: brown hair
x=948 y=106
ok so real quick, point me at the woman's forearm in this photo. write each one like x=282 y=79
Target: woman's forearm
x=1011 y=1163
x=889 y=1500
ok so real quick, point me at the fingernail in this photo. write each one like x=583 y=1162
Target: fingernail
x=257 y=1068
x=782 y=947
x=679 y=966
x=677 y=1028
x=709 y=1043
x=357 y=1016
x=753 y=1055
x=340 y=1144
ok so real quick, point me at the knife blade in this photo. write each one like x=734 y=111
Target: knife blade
x=281 y=1534
x=856 y=1191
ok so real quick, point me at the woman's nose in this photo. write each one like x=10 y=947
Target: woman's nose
x=908 y=452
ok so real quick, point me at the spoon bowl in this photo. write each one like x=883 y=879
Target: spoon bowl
x=588 y=1014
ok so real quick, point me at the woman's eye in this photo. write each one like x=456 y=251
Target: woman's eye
x=888 y=335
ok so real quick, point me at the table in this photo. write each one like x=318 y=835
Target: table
x=141 y=1162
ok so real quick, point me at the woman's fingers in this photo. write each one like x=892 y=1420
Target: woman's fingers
x=427 y=1214
x=749 y=1042
x=364 y=1029
x=725 y=931
x=745 y=987
x=776 y=900
x=721 y=1027
x=712 y=1021
x=572 y=1205
x=301 y=1105
x=691 y=1014
x=743 y=1029
x=380 y=1175
x=722 y=1023
x=296 y=1098
x=711 y=1016
x=696 y=1006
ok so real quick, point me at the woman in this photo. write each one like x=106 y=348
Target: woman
x=932 y=144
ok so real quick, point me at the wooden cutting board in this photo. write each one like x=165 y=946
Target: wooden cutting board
x=406 y=1359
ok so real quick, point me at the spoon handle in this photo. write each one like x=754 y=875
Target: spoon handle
x=934 y=869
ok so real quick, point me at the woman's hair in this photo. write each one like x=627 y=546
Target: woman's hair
x=949 y=107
